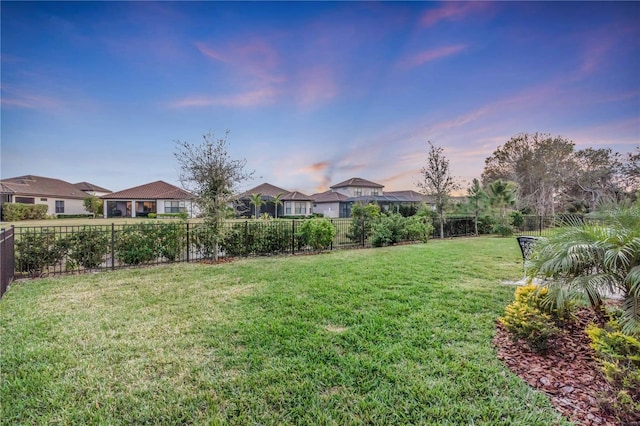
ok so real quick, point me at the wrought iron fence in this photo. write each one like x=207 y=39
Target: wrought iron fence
x=70 y=249
x=7 y=259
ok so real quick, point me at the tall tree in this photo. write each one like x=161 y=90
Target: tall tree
x=437 y=181
x=631 y=171
x=256 y=200
x=597 y=176
x=476 y=197
x=213 y=177
x=277 y=201
x=539 y=164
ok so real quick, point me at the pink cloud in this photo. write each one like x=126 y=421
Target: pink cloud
x=453 y=11
x=22 y=99
x=259 y=97
x=317 y=84
x=431 y=55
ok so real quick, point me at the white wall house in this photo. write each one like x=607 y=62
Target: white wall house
x=156 y=197
x=60 y=197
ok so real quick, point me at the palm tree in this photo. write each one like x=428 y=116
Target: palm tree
x=595 y=260
x=256 y=200
x=501 y=195
x=476 y=196
x=277 y=201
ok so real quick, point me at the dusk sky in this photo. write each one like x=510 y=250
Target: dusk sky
x=313 y=93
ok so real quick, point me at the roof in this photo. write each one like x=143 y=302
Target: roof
x=359 y=182
x=157 y=190
x=267 y=191
x=296 y=196
x=42 y=187
x=410 y=195
x=328 y=197
x=86 y=186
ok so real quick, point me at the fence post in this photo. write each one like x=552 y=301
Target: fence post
x=113 y=245
x=540 y=226
x=246 y=238
x=187 y=239
x=331 y=222
x=363 y=232
x=293 y=236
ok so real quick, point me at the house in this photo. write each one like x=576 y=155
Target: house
x=268 y=193
x=61 y=198
x=155 y=197
x=91 y=189
x=357 y=187
x=297 y=204
x=330 y=204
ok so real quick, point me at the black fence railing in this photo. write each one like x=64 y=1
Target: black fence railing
x=7 y=259
x=54 y=250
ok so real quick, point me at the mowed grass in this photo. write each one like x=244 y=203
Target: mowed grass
x=398 y=335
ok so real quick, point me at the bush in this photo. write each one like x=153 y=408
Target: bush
x=362 y=218
x=171 y=240
x=418 y=228
x=619 y=357
x=181 y=215
x=14 y=212
x=135 y=244
x=516 y=219
x=36 y=251
x=88 y=247
x=316 y=233
x=525 y=318
x=388 y=230
x=502 y=230
x=486 y=224
x=152 y=215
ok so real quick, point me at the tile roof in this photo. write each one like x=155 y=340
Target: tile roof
x=328 y=197
x=410 y=195
x=41 y=186
x=267 y=190
x=86 y=186
x=296 y=196
x=157 y=190
x=359 y=182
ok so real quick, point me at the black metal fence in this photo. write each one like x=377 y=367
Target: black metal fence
x=7 y=259
x=70 y=249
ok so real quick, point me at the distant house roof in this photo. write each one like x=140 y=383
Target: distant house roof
x=86 y=186
x=267 y=190
x=410 y=195
x=41 y=187
x=328 y=197
x=158 y=190
x=296 y=196
x=359 y=182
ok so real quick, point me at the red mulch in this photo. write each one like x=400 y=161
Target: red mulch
x=568 y=372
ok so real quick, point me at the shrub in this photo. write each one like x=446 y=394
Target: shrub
x=88 y=247
x=36 y=251
x=205 y=239
x=362 y=218
x=486 y=224
x=418 y=228
x=135 y=244
x=502 y=230
x=516 y=219
x=14 y=212
x=152 y=215
x=388 y=230
x=171 y=240
x=525 y=318
x=316 y=233
x=619 y=357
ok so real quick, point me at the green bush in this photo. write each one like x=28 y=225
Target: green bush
x=14 y=212
x=316 y=233
x=88 y=247
x=152 y=215
x=37 y=250
x=418 y=228
x=181 y=215
x=619 y=357
x=204 y=239
x=516 y=219
x=171 y=240
x=486 y=224
x=525 y=318
x=135 y=244
x=362 y=219
x=388 y=230
x=502 y=230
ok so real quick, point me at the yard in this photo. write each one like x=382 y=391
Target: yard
x=398 y=335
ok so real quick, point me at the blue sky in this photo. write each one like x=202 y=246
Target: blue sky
x=313 y=93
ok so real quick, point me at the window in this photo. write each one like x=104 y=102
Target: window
x=287 y=208
x=174 y=207
x=375 y=191
x=25 y=200
x=301 y=207
x=357 y=192
x=59 y=206
x=43 y=199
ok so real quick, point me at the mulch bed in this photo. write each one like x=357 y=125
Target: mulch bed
x=568 y=372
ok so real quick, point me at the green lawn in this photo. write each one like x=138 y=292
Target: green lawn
x=398 y=335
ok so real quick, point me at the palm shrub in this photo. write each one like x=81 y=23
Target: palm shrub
x=596 y=260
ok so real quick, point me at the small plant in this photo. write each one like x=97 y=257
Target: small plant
x=502 y=230
x=36 y=251
x=525 y=318
x=317 y=233
x=88 y=247
x=388 y=230
x=619 y=357
x=516 y=218
x=136 y=244
x=418 y=228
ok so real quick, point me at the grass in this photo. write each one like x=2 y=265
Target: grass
x=396 y=335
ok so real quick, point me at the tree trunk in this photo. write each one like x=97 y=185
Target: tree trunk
x=441 y=226
x=475 y=223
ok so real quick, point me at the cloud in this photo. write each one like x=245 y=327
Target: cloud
x=259 y=97
x=453 y=11
x=316 y=85
x=12 y=98
x=431 y=55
